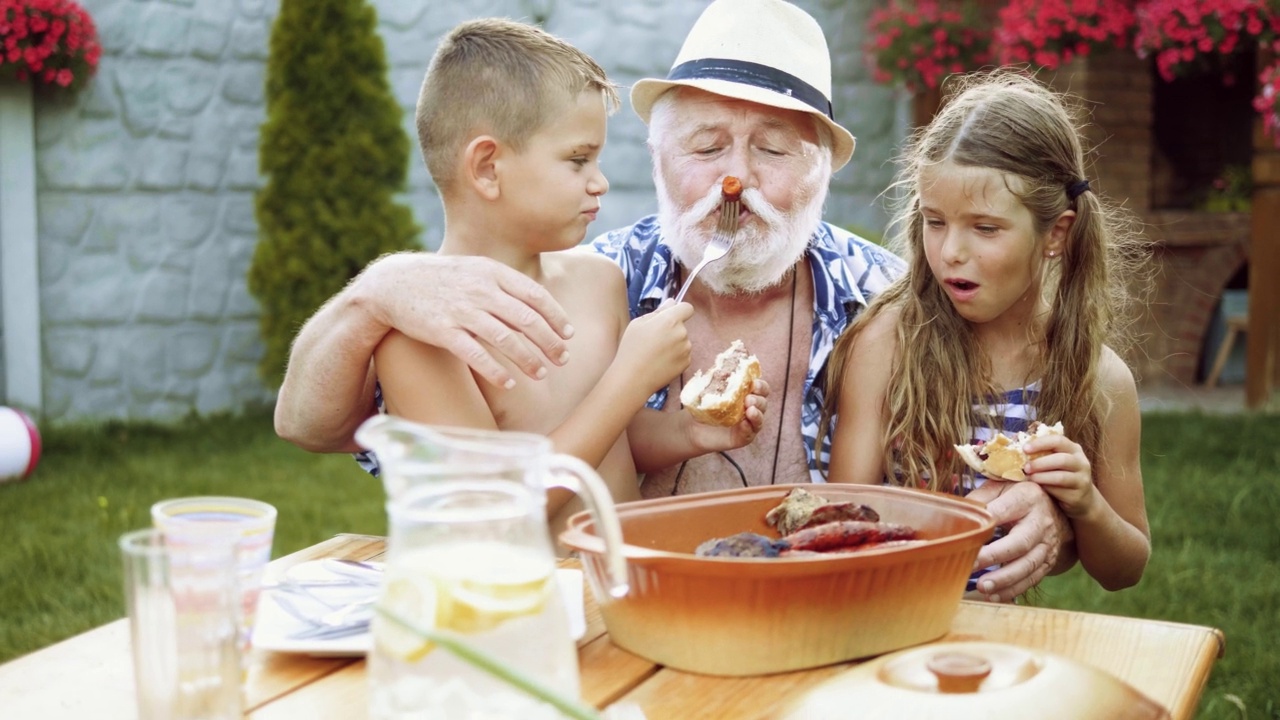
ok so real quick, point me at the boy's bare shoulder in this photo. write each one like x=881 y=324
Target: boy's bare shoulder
x=585 y=267
x=586 y=260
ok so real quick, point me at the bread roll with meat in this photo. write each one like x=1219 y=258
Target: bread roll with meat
x=719 y=396
x=1003 y=457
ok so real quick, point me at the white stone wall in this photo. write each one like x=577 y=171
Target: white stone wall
x=146 y=180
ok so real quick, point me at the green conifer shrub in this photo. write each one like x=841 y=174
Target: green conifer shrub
x=334 y=155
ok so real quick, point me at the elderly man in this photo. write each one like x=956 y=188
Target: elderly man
x=748 y=96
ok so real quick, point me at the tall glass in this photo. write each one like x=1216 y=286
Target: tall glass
x=469 y=556
x=248 y=524
x=182 y=601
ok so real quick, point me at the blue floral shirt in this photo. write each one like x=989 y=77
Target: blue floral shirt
x=847 y=272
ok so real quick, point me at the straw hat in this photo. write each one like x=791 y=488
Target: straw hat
x=765 y=51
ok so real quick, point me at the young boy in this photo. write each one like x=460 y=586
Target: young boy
x=511 y=121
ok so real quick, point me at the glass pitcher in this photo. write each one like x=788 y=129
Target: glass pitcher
x=470 y=555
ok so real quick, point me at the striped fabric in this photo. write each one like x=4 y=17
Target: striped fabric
x=1012 y=413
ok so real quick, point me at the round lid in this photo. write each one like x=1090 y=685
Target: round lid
x=974 y=680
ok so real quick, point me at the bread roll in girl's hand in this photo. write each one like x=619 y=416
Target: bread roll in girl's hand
x=1003 y=457
x=718 y=396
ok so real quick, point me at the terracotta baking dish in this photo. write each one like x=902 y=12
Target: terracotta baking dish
x=753 y=616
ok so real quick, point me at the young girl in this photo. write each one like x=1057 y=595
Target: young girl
x=1017 y=274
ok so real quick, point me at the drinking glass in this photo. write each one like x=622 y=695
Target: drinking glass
x=183 y=610
x=249 y=524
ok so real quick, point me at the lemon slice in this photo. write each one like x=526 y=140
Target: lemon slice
x=482 y=585
x=412 y=597
x=471 y=606
x=466 y=588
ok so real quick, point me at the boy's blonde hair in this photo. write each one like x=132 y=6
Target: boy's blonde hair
x=1008 y=122
x=502 y=78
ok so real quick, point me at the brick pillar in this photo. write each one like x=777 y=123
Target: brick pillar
x=1116 y=88
x=1262 y=363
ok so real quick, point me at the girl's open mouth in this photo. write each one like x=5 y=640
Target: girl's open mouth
x=961 y=290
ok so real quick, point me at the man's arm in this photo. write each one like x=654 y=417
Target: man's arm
x=446 y=301
x=328 y=387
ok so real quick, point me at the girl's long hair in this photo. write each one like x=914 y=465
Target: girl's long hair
x=1008 y=122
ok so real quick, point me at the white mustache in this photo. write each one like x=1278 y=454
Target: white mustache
x=752 y=199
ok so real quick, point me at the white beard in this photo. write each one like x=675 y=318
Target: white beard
x=766 y=248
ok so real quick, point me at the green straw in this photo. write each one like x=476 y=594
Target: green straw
x=496 y=668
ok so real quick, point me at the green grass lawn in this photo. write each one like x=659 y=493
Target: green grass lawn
x=1213 y=496
x=1213 y=499
x=61 y=567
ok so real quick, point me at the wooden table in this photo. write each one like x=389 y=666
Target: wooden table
x=91 y=675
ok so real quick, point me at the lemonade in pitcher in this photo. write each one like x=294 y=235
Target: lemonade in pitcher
x=466 y=561
x=470 y=562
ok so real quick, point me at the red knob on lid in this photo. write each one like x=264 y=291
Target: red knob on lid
x=959 y=672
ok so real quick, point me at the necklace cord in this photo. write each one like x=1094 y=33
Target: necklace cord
x=786 y=383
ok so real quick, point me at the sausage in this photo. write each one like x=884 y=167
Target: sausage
x=847 y=534
x=731 y=188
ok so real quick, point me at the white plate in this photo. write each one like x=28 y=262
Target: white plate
x=274 y=626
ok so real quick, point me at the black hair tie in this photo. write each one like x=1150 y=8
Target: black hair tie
x=1077 y=188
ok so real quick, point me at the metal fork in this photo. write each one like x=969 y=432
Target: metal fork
x=298 y=613
x=346 y=620
x=320 y=632
x=721 y=242
x=334 y=616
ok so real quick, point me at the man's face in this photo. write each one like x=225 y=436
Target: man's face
x=701 y=138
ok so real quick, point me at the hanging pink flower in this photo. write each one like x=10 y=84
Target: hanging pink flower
x=1049 y=33
x=49 y=42
x=917 y=43
x=1191 y=35
x=1267 y=102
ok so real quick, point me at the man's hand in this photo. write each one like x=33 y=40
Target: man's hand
x=1038 y=537
x=454 y=301
x=709 y=438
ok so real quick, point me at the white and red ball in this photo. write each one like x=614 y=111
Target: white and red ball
x=19 y=445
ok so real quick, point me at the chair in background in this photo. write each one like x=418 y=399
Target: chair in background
x=1236 y=324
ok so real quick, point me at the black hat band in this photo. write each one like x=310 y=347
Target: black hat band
x=755 y=74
